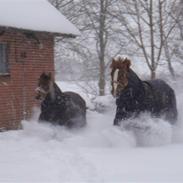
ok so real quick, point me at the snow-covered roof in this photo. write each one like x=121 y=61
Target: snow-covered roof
x=36 y=15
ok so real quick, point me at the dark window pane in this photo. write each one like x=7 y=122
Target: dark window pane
x=3 y=59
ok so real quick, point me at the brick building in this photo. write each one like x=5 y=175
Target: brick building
x=27 y=31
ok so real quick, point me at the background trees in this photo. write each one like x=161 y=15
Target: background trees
x=151 y=31
x=151 y=26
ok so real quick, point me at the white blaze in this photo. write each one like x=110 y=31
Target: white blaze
x=115 y=80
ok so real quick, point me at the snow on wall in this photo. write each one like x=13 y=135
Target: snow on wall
x=36 y=15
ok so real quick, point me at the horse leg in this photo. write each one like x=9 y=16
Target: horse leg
x=171 y=113
x=121 y=114
x=77 y=121
x=43 y=117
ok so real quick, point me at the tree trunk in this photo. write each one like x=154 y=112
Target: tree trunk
x=168 y=58
x=102 y=44
x=102 y=83
x=171 y=70
x=153 y=74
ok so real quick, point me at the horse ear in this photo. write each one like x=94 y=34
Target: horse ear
x=42 y=74
x=127 y=63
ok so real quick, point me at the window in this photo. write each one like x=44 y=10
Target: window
x=3 y=59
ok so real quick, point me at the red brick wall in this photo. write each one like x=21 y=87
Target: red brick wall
x=27 y=60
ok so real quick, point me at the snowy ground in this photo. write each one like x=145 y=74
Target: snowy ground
x=98 y=153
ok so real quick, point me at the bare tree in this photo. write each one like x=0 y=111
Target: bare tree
x=97 y=15
x=95 y=46
x=170 y=34
x=175 y=45
x=149 y=25
x=144 y=29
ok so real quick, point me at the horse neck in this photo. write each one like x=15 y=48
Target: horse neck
x=54 y=90
x=134 y=81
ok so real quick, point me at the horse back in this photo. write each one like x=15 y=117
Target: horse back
x=76 y=99
x=158 y=89
x=159 y=85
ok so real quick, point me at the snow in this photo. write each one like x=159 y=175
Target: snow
x=99 y=152
x=36 y=15
x=123 y=57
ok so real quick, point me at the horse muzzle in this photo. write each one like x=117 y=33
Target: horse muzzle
x=40 y=94
x=114 y=86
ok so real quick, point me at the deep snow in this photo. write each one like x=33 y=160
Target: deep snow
x=98 y=153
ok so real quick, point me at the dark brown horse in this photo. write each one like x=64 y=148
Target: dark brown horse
x=134 y=96
x=57 y=107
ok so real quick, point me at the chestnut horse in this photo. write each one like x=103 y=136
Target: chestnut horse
x=134 y=96
x=57 y=107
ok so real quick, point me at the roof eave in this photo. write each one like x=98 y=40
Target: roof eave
x=69 y=35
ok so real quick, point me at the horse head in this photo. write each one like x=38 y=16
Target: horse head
x=44 y=86
x=120 y=68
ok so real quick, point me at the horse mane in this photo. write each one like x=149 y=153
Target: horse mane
x=55 y=90
x=133 y=79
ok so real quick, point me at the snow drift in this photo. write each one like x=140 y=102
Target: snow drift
x=100 y=152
